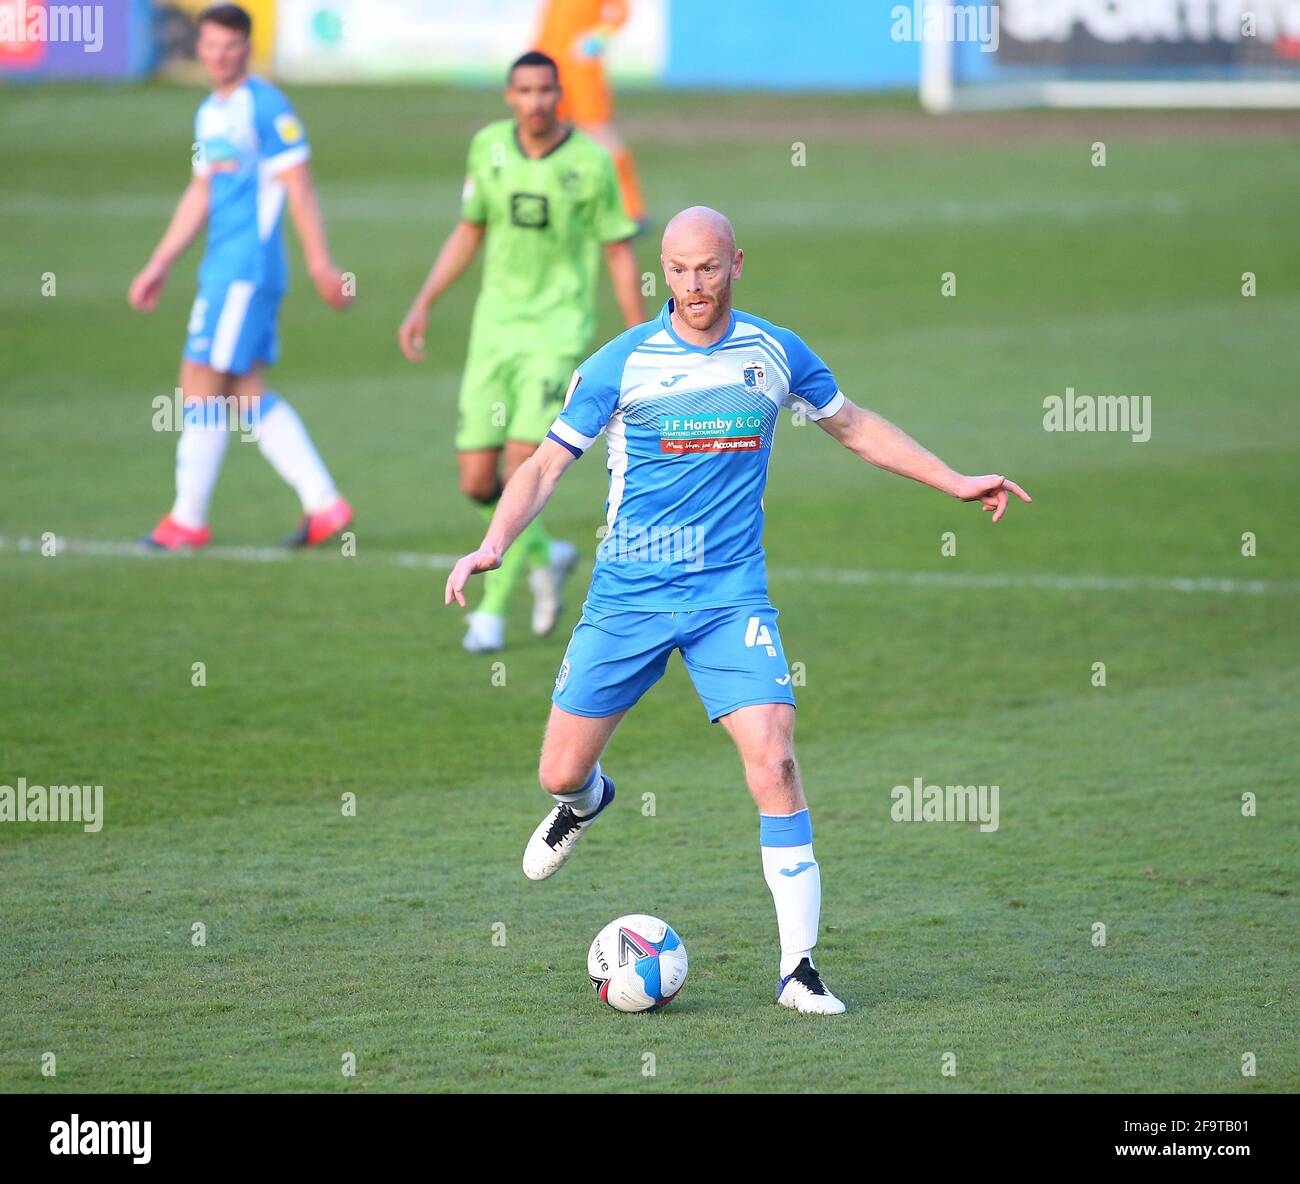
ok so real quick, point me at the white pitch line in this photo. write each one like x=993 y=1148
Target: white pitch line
x=813 y=575
x=1056 y=583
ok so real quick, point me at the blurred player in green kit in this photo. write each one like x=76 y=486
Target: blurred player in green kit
x=546 y=198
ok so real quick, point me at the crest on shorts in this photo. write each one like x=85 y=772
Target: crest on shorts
x=755 y=376
x=563 y=676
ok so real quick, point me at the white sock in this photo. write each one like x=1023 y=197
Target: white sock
x=285 y=443
x=199 y=453
x=588 y=798
x=795 y=880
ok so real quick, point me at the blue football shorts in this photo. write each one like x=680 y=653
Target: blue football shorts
x=233 y=326
x=733 y=655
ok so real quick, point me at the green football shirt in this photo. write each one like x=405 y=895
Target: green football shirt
x=546 y=222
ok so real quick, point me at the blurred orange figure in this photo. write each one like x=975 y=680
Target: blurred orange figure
x=576 y=33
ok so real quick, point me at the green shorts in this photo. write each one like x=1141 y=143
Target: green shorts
x=510 y=396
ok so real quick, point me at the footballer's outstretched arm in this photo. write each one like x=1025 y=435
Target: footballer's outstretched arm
x=624 y=275
x=304 y=207
x=457 y=253
x=525 y=494
x=191 y=213
x=880 y=443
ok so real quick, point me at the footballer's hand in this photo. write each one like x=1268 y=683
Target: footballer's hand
x=480 y=560
x=330 y=286
x=992 y=490
x=410 y=334
x=146 y=289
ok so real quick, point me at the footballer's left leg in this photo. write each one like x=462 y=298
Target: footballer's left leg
x=738 y=665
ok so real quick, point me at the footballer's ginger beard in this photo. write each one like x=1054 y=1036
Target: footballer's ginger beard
x=701 y=261
x=224 y=54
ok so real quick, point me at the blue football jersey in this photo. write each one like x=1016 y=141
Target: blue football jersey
x=688 y=431
x=245 y=141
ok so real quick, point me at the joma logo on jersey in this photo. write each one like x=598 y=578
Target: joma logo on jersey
x=756 y=634
x=755 y=376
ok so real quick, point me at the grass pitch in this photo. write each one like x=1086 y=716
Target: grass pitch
x=374 y=934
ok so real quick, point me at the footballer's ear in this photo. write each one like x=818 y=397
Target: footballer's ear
x=737 y=264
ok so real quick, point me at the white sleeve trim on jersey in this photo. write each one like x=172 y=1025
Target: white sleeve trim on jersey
x=816 y=413
x=572 y=437
x=286 y=159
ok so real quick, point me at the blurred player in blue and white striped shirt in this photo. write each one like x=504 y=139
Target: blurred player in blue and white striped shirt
x=250 y=160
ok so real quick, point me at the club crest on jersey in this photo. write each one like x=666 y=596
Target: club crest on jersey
x=289 y=129
x=755 y=376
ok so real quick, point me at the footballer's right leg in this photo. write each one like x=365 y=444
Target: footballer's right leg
x=199 y=453
x=612 y=660
x=570 y=772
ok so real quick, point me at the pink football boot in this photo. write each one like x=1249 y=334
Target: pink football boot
x=170 y=535
x=314 y=529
